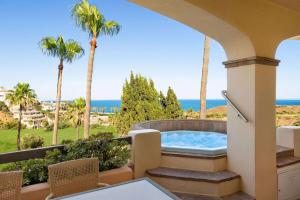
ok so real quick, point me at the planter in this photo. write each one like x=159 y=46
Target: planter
x=41 y=190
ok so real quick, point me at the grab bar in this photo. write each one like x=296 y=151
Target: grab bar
x=240 y=115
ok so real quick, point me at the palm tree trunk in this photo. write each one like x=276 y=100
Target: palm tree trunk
x=78 y=129
x=19 y=128
x=58 y=99
x=204 y=78
x=89 y=88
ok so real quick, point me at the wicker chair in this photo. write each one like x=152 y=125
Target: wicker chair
x=73 y=177
x=10 y=185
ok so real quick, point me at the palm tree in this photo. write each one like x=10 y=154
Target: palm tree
x=65 y=51
x=89 y=18
x=204 y=78
x=76 y=111
x=23 y=97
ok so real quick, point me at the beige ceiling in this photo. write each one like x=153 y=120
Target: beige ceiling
x=290 y=4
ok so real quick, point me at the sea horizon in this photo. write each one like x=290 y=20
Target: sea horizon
x=186 y=104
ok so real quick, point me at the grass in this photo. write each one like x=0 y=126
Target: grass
x=8 y=138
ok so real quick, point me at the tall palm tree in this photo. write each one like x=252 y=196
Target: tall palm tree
x=23 y=97
x=65 y=51
x=204 y=77
x=91 y=20
x=75 y=111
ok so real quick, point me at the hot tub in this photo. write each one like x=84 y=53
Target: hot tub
x=195 y=142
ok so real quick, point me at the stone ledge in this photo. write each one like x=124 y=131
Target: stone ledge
x=251 y=61
x=201 y=176
x=184 y=124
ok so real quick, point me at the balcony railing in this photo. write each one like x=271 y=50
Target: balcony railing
x=39 y=152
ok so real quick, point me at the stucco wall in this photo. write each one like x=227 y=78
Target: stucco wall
x=193 y=125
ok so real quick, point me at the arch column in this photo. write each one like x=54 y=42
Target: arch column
x=251 y=85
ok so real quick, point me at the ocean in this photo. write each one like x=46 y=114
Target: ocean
x=186 y=104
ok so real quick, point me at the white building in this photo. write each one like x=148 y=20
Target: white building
x=3 y=93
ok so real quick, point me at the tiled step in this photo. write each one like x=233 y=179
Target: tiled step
x=236 y=196
x=216 y=184
x=284 y=151
x=195 y=162
x=286 y=161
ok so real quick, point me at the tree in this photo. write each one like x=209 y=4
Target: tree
x=172 y=107
x=163 y=100
x=75 y=111
x=140 y=102
x=204 y=78
x=89 y=18
x=103 y=109
x=65 y=51
x=23 y=97
x=4 y=108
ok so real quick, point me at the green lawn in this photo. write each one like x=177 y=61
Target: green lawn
x=8 y=138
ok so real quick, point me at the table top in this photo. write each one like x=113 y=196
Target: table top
x=144 y=189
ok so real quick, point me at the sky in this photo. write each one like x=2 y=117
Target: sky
x=150 y=44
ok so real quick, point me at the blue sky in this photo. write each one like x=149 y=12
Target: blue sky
x=150 y=44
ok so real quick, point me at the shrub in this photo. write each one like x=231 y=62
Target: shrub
x=67 y=141
x=54 y=156
x=102 y=136
x=49 y=127
x=9 y=125
x=31 y=142
x=63 y=125
x=3 y=107
x=35 y=170
x=111 y=154
x=44 y=123
x=297 y=123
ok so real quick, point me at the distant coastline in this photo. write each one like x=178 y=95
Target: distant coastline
x=188 y=103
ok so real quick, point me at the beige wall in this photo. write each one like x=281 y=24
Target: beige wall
x=146 y=151
x=289 y=136
x=251 y=146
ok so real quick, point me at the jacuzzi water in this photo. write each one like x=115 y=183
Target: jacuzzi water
x=203 y=142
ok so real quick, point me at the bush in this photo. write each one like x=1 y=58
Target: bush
x=54 y=156
x=49 y=127
x=9 y=125
x=67 y=141
x=44 y=123
x=32 y=142
x=297 y=123
x=4 y=108
x=111 y=154
x=102 y=136
x=63 y=125
x=35 y=170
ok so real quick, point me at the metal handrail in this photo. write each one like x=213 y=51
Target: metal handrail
x=240 y=114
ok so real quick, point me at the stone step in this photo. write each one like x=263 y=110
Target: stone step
x=286 y=161
x=284 y=151
x=236 y=196
x=216 y=184
x=195 y=162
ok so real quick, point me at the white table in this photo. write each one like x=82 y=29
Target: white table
x=141 y=189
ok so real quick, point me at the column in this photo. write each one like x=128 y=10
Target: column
x=251 y=85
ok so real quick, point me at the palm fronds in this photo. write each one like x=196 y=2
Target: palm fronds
x=90 y=19
x=65 y=50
